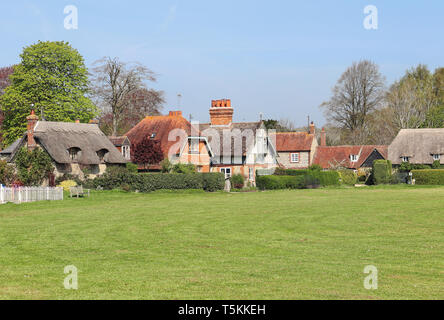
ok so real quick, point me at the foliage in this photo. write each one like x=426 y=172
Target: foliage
x=151 y=182
x=131 y=167
x=67 y=176
x=436 y=164
x=237 y=181
x=166 y=165
x=66 y=184
x=407 y=167
x=382 y=171
x=53 y=77
x=184 y=168
x=33 y=167
x=325 y=178
x=7 y=173
x=147 y=152
x=315 y=167
x=283 y=125
x=428 y=176
x=285 y=182
x=348 y=177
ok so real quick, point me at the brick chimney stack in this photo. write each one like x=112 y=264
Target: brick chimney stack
x=312 y=128
x=221 y=112
x=32 y=120
x=323 y=138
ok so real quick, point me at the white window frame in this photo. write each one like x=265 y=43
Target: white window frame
x=226 y=172
x=294 y=160
x=405 y=159
x=436 y=157
x=126 y=152
x=194 y=146
x=354 y=158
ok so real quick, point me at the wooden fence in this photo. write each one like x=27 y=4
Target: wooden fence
x=29 y=194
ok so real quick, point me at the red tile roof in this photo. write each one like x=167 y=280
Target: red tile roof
x=333 y=156
x=161 y=126
x=293 y=141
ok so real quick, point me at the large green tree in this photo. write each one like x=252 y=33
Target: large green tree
x=51 y=78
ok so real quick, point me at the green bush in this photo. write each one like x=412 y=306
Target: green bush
x=324 y=178
x=407 y=167
x=276 y=182
x=428 y=176
x=152 y=182
x=184 y=168
x=33 y=166
x=382 y=171
x=237 y=181
x=348 y=177
x=7 y=173
x=131 y=167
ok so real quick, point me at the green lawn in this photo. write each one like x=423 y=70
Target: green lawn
x=301 y=244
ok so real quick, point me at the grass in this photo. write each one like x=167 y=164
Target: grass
x=301 y=244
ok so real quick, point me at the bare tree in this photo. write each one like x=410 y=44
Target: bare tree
x=116 y=86
x=358 y=92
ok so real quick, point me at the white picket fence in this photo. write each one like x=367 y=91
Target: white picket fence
x=30 y=194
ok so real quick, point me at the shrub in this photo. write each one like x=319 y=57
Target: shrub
x=407 y=167
x=184 y=168
x=7 y=173
x=237 y=181
x=324 y=178
x=281 y=182
x=131 y=167
x=315 y=167
x=33 y=167
x=67 y=184
x=166 y=165
x=428 y=176
x=382 y=171
x=348 y=177
x=151 y=182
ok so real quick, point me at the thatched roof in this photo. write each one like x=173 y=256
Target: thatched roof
x=417 y=144
x=58 y=137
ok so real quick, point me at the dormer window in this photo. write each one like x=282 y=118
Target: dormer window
x=405 y=159
x=354 y=157
x=101 y=154
x=436 y=157
x=126 y=152
x=74 y=153
x=153 y=135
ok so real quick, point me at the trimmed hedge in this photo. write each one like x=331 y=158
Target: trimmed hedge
x=237 y=181
x=382 y=171
x=151 y=182
x=325 y=178
x=280 y=182
x=428 y=176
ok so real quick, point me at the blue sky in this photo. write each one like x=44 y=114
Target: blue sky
x=280 y=58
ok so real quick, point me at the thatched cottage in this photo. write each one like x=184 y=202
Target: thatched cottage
x=74 y=147
x=417 y=146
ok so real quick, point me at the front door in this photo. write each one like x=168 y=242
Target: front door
x=226 y=172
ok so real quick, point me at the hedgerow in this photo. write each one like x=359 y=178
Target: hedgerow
x=428 y=176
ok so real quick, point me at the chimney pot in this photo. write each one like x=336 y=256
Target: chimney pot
x=312 y=128
x=221 y=112
x=32 y=120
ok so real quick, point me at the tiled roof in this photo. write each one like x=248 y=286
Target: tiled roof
x=333 y=156
x=293 y=141
x=160 y=127
x=118 y=141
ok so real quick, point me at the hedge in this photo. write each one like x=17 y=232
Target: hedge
x=382 y=171
x=428 y=176
x=325 y=178
x=151 y=182
x=348 y=177
x=280 y=182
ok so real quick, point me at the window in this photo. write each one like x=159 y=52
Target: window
x=436 y=157
x=194 y=146
x=294 y=157
x=251 y=174
x=354 y=157
x=101 y=153
x=126 y=152
x=153 y=135
x=74 y=153
x=226 y=171
x=405 y=159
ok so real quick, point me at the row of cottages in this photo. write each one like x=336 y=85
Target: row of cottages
x=73 y=147
x=220 y=145
x=417 y=146
x=299 y=150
